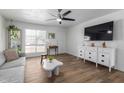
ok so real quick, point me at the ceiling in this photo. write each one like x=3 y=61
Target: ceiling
x=40 y=16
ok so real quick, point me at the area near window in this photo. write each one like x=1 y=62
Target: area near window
x=35 y=41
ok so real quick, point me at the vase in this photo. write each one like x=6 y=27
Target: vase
x=104 y=45
x=92 y=45
x=50 y=61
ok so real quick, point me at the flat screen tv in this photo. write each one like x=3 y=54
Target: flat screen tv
x=101 y=32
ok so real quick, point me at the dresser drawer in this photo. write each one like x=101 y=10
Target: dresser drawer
x=81 y=51
x=103 y=55
x=103 y=62
x=103 y=58
x=81 y=55
x=92 y=49
x=90 y=53
x=106 y=50
x=91 y=56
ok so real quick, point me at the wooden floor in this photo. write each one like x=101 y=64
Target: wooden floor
x=73 y=71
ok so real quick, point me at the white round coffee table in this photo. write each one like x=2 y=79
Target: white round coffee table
x=51 y=67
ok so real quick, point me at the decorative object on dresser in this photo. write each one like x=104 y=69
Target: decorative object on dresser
x=98 y=55
x=93 y=44
x=104 y=45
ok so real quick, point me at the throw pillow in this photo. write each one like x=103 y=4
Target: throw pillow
x=11 y=54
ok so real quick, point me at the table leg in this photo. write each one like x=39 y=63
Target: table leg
x=48 y=51
x=49 y=74
x=41 y=58
x=56 y=71
x=55 y=51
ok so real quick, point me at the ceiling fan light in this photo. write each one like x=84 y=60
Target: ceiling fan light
x=59 y=20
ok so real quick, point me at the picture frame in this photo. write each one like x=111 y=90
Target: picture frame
x=51 y=35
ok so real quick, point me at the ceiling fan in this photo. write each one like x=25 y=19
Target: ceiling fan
x=61 y=17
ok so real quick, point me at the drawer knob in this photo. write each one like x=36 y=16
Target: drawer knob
x=89 y=52
x=89 y=57
x=80 y=51
x=102 y=55
x=102 y=60
x=80 y=54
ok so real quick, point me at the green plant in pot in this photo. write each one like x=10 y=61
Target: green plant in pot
x=13 y=30
x=14 y=36
x=50 y=58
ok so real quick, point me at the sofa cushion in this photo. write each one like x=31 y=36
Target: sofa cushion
x=12 y=75
x=2 y=58
x=11 y=54
x=14 y=63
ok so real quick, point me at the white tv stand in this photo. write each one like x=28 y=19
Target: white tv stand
x=98 y=55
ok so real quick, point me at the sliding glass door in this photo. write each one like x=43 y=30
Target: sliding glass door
x=35 y=41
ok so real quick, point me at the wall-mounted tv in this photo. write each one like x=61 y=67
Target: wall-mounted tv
x=101 y=32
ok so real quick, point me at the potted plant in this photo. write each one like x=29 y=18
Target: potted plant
x=50 y=58
x=14 y=37
x=13 y=30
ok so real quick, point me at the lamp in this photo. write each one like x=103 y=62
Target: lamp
x=59 y=19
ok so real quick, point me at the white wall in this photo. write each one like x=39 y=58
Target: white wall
x=2 y=34
x=59 y=32
x=75 y=36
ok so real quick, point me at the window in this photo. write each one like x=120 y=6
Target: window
x=35 y=41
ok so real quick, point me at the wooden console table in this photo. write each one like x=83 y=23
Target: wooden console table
x=52 y=47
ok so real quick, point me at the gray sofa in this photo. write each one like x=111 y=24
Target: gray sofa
x=13 y=71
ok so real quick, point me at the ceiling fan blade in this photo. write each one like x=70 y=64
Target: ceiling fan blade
x=66 y=13
x=59 y=10
x=68 y=19
x=52 y=15
x=51 y=19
